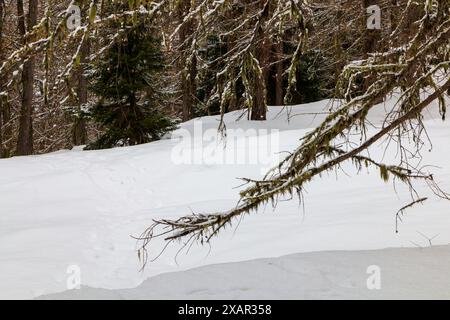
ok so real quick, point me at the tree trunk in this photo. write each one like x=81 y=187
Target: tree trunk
x=259 y=108
x=5 y=108
x=4 y=118
x=189 y=72
x=279 y=76
x=79 y=134
x=189 y=89
x=25 y=138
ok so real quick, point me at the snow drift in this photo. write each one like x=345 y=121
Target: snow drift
x=411 y=273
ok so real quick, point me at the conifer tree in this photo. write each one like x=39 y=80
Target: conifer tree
x=129 y=108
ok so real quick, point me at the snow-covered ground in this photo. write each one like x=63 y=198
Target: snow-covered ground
x=75 y=211
x=399 y=273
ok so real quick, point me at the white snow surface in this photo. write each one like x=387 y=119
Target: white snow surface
x=80 y=208
x=404 y=273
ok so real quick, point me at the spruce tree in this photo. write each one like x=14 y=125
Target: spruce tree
x=129 y=106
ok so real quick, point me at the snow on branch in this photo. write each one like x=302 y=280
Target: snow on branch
x=411 y=70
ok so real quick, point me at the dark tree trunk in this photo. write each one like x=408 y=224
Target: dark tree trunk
x=259 y=108
x=188 y=74
x=4 y=107
x=259 y=111
x=189 y=89
x=25 y=138
x=79 y=134
x=279 y=74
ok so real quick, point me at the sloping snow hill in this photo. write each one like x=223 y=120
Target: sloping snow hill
x=74 y=211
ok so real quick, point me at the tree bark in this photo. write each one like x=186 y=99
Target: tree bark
x=25 y=138
x=279 y=76
x=3 y=104
x=79 y=134
x=189 y=73
x=259 y=108
x=5 y=108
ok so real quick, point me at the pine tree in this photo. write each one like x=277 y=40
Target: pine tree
x=129 y=109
